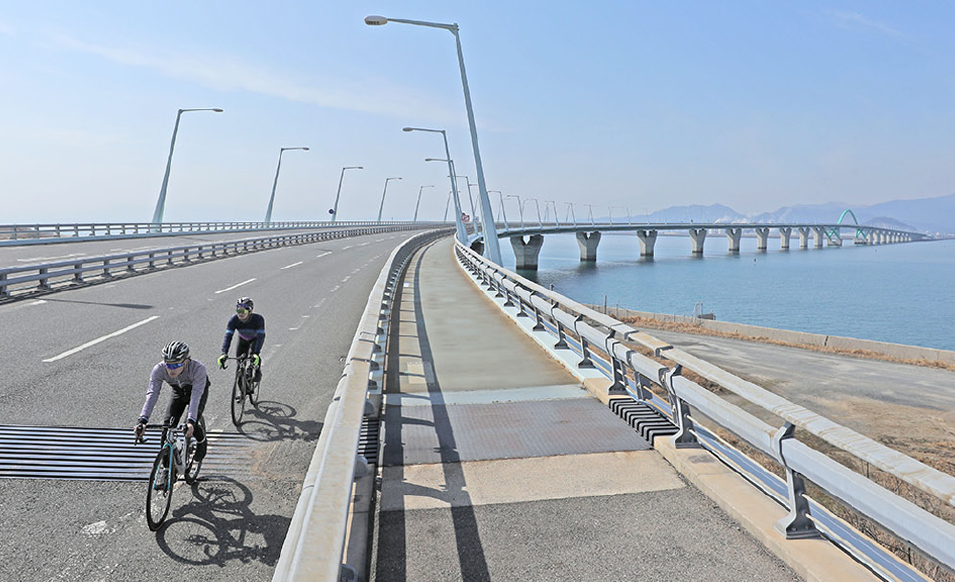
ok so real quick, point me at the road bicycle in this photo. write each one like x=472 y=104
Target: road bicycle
x=245 y=385
x=175 y=458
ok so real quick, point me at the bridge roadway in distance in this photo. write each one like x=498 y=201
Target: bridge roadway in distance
x=232 y=525
x=76 y=248
x=497 y=465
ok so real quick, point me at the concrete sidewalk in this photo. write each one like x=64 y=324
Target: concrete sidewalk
x=498 y=465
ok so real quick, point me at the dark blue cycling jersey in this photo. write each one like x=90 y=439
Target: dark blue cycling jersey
x=251 y=330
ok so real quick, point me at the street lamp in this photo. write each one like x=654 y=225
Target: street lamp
x=416 y=204
x=571 y=213
x=161 y=203
x=539 y=220
x=342 y=177
x=382 y=207
x=478 y=220
x=491 y=244
x=590 y=207
x=556 y=218
x=503 y=212
x=520 y=208
x=462 y=234
x=268 y=213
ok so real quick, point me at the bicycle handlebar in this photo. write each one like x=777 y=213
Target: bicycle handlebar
x=142 y=438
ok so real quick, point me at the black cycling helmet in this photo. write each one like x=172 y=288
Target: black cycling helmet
x=175 y=352
x=244 y=303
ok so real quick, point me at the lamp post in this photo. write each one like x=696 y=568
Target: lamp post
x=491 y=244
x=447 y=205
x=268 y=213
x=161 y=203
x=540 y=221
x=342 y=177
x=570 y=212
x=503 y=212
x=520 y=208
x=416 y=204
x=556 y=218
x=382 y=207
x=590 y=208
x=462 y=233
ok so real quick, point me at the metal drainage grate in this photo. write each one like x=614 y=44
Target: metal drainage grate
x=101 y=454
x=644 y=419
x=368 y=439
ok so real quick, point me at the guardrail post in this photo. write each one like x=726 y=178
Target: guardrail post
x=586 y=362
x=561 y=336
x=44 y=281
x=685 y=437
x=106 y=268
x=798 y=524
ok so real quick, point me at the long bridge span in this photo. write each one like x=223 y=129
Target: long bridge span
x=483 y=428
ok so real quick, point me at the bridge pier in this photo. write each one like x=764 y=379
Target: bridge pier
x=526 y=253
x=733 y=235
x=804 y=236
x=784 y=233
x=698 y=235
x=648 y=238
x=820 y=235
x=588 y=246
x=762 y=238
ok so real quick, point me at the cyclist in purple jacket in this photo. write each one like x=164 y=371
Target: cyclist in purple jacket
x=190 y=385
x=250 y=327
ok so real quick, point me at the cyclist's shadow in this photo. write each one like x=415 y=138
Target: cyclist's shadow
x=275 y=421
x=217 y=526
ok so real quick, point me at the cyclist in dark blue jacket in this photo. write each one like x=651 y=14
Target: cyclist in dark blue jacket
x=250 y=327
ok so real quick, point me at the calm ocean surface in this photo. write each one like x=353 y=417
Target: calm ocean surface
x=901 y=293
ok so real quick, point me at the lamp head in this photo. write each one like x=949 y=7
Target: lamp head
x=376 y=20
x=407 y=129
x=217 y=110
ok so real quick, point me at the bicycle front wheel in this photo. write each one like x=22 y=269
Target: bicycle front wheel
x=159 y=490
x=254 y=392
x=238 y=396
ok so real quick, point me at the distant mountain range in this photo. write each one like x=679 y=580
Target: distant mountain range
x=929 y=215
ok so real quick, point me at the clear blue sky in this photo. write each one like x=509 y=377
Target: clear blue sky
x=751 y=104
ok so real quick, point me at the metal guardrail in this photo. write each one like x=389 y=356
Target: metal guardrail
x=30 y=279
x=20 y=234
x=596 y=334
x=314 y=545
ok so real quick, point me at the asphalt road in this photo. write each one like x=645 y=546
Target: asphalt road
x=232 y=524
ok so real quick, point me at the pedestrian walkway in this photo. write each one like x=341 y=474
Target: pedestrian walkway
x=497 y=465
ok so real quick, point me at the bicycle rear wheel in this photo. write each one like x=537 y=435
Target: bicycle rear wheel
x=191 y=472
x=159 y=490
x=238 y=395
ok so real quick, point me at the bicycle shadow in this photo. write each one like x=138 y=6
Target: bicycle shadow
x=217 y=527
x=275 y=421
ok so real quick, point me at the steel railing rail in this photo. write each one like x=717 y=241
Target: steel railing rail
x=594 y=335
x=314 y=545
x=16 y=281
x=47 y=233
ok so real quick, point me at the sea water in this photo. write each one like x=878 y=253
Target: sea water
x=899 y=293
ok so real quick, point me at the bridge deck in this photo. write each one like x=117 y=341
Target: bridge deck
x=497 y=465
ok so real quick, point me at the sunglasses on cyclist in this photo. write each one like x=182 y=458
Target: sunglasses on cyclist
x=174 y=365
x=241 y=311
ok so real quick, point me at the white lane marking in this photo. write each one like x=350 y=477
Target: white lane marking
x=38 y=302
x=364 y=244
x=101 y=339
x=35 y=259
x=323 y=254
x=335 y=288
x=234 y=286
x=319 y=304
x=292 y=265
x=304 y=317
x=346 y=248
x=346 y=278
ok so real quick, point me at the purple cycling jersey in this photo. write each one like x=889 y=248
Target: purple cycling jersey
x=194 y=373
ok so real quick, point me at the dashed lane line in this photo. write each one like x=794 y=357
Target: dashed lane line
x=100 y=339
x=234 y=286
